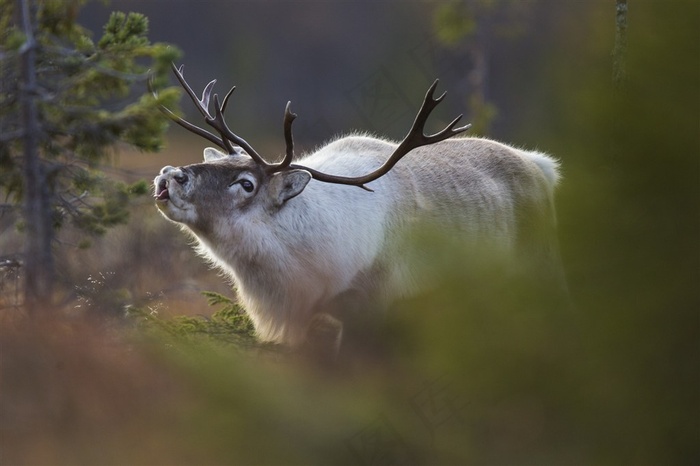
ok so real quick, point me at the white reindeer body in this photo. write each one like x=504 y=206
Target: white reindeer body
x=293 y=238
x=289 y=262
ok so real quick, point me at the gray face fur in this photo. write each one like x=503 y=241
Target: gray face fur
x=199 y=195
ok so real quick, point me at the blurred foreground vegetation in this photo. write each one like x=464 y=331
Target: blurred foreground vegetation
x=481 y=372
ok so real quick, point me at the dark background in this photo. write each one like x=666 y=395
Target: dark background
x=350 y=66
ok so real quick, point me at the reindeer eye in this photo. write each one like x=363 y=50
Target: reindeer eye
x=246 y=185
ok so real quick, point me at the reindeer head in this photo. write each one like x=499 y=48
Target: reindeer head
x=239 y=178
x=224 y=185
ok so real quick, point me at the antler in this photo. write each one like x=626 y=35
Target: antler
x=414 y=139
x=184 y=123
x=227 y=137
x=289 y=154
x=203 y=107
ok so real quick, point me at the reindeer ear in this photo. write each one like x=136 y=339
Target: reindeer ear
x=287 y=184
x=211 y=154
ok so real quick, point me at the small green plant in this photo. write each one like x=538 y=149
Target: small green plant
x=229 y=324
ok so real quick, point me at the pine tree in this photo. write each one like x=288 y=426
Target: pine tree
x=65 y=102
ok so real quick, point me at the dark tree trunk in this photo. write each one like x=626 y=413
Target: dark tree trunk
x=482 y=110
x=620 y=47
x=38 y=259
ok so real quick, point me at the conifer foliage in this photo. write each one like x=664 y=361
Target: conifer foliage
x=66 y=100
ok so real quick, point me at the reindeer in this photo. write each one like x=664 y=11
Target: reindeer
x=298 y=235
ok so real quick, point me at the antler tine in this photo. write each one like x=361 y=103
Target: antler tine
x=414 y=139
x=449 y=131
x=186 y=124
x=206 y=93
x=429 y=103
x=225 y=102
x=289 y=117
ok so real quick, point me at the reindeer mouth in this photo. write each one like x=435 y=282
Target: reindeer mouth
x=162 y=193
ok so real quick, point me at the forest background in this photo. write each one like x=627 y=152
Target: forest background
x=617 y=383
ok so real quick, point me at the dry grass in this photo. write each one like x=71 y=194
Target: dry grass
x=73 y=390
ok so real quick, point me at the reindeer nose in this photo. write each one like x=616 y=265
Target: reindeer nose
x=179 y=175
x=162 y=185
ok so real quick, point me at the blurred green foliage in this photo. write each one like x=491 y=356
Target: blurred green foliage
x=453 y=22
x=483 y=371
x=90 y=97
x=474 y=25
x=631 y=159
